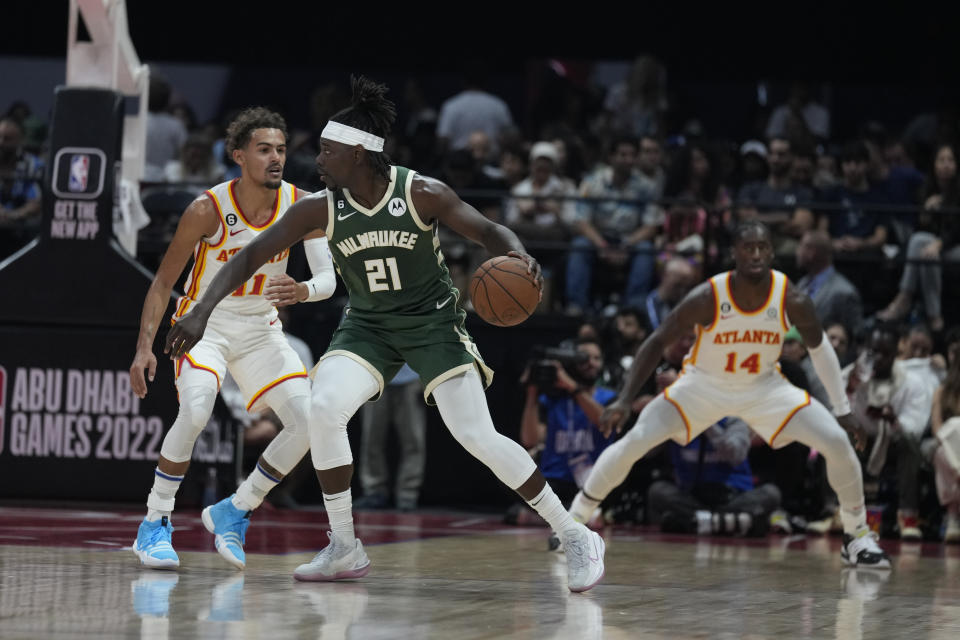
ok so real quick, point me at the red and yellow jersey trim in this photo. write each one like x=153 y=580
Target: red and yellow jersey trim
x=262 y=391
x=223 y=222
x=790 y=415
x=716 y=304
x=733 y=301
x=686 y=423
x=236 y=206
x=193 y=363
x=783 y=305
x=692 y=358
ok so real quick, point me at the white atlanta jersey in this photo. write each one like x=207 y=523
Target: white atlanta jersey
x=235 y=232
x=740 y=347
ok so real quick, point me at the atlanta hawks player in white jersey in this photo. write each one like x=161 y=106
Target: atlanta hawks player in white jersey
x=244 y=336
x=740 y=318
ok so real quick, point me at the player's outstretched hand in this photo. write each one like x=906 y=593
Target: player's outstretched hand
x=613 y=417
x=185 y=334
x=282 y=290
x=533 y=267
x=143 y=360
x=854 y=429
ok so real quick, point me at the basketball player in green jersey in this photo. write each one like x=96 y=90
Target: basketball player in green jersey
x=381 y=222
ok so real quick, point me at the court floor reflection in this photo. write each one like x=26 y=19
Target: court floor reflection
x=491 y=582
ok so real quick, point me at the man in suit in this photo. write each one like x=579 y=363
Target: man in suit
x=834 y=297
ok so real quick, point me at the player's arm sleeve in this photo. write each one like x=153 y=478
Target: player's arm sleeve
x=323 y=283
x=825 y=363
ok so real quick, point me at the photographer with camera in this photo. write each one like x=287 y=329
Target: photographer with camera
x=563 y=405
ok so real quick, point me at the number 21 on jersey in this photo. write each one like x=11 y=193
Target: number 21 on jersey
x=750 y=363
x=379 y=270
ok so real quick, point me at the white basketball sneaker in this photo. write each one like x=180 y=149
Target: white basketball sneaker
x=584 y=550
x=862 y=550
x=336 y=561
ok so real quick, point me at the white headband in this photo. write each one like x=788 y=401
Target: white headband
x=352 y=136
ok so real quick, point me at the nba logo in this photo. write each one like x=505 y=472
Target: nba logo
x=3 y=404
x=79 y=169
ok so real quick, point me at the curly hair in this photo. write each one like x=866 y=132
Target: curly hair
x=238 y=131
x=372 y=112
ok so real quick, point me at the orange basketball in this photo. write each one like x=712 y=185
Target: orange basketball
x=502 y=291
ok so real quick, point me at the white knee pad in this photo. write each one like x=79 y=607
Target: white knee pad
x=196 y=405
x=463 y=407
x=340 y=387
x=292 y=406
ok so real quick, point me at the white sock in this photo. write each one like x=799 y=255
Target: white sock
x=583 y=507
x=340 y=513
x=254 y=489
x=162 y=495
x=548 y=505
x=854 y=520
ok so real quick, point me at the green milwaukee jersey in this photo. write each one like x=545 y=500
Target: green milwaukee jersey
x=388 y=258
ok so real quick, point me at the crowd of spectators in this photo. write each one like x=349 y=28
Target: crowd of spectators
x=627 y=206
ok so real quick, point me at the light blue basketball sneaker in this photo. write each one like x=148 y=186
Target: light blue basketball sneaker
x=153 y=544
x=229 y=526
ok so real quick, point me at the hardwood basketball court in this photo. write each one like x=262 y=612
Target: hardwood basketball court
x=68 y=574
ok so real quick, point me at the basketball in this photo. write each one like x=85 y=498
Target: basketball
x=502 y=291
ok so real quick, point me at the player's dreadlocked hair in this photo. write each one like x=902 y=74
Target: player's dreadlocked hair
x=749 y=225
x=238 y=131
x=370 y=111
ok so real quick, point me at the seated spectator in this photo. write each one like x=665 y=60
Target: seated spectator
x=916 y=355
x=473 y=109
x=684 y=234
x=900 y=183
x=532 y=213
x=800 y=114
x=20 y=176
x=712 y=490
x=753 y=162
x=196 y=163
x=624 y=336
x=803 y=171
x=854 y=229
x=946 y=405
x=777 y=201
x=638 y=104
x=894 y=406
x=462 y=172
x=563 y=406
x=697 y=201
x=34 y=128
x=165 y=132
x=652 y=177
x=536 y=217
x=834 y=297
x=937 y=238
x=512 y=168
x=839 y=339
x=678 y=278
x=693 y=175
x=615 y=231
x=826 y=175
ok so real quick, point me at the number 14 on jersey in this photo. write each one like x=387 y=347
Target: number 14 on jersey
x=750 y=363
